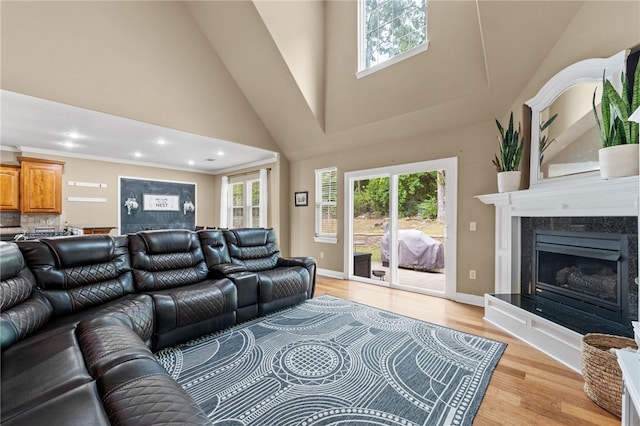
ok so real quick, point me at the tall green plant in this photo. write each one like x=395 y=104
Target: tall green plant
x=511 y=144
x=615 y=109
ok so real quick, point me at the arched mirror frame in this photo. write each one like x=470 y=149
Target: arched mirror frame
x=588 y=70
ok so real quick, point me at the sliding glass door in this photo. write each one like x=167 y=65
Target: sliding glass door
x=398 y=226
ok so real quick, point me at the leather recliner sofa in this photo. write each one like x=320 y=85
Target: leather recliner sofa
x=170 y=267
x=238 y=253
x=80 y=317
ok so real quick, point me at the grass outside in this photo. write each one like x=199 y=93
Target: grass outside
x=374 y=226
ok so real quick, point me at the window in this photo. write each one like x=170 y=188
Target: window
x=244 y=204
x=327 y=205
x=390 y=29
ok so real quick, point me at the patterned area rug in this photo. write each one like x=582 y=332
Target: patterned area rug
x=331 y=361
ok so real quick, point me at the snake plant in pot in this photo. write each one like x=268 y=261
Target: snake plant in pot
x=619 y=154
x=507 y=164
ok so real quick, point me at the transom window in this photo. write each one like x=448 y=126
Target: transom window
x=327 y=205
x=390 y=29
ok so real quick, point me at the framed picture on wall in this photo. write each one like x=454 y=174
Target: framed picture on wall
x=301 y=198
x=154 y=202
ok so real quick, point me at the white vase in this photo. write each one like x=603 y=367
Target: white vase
x=618 y=161
x=508 y=181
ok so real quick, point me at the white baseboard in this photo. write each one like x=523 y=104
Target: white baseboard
x=331 y=274
x=469 y=299
x=561 y=344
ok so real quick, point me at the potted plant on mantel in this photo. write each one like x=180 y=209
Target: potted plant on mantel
x=508 y=164
x=619 y=154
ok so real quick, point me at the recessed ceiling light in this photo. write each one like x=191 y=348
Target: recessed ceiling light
x=67 y=144
x=137 y=154
x=161 y=142
x=73 y=135
x=220 y=153
x=191 y=162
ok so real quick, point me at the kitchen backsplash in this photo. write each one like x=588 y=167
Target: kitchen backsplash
x=29 y=222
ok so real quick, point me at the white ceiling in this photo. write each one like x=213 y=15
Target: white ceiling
x=30 y=124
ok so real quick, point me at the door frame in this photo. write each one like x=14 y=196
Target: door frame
x=450 y=166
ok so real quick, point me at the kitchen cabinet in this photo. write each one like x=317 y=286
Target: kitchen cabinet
x=41 y=185
x=9 y=188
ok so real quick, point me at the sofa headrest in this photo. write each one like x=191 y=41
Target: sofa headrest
x=248 y=237
x=11 y=260
x=81 y=249
x=169 y=241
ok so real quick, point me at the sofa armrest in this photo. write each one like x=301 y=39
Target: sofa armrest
x=307 y=262
x=296 y=261
x=224 y=270
x=141 y=392
x=109 y=340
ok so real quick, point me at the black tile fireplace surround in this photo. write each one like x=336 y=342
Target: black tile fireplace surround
x=555 y=308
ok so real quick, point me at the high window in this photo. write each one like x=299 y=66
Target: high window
x=390 y=30
x=327 y=205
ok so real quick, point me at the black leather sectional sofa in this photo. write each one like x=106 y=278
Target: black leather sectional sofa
x=81 y=316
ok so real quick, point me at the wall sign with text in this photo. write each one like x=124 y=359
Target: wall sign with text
x=162 y=203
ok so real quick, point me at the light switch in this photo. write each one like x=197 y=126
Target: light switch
x=472 y=226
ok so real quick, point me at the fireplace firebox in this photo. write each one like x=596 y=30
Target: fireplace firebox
x=587 y=271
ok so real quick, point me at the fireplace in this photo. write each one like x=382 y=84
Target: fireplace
x=585 y=264
x=584 y=205
x=584 y=270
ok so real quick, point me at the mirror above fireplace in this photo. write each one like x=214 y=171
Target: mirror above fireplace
x=564 y=140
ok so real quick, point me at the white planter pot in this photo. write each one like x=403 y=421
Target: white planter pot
x=618 y=161
x=508 y=181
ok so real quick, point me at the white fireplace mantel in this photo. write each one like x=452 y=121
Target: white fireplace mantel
x=589 y=196
x=586 y=196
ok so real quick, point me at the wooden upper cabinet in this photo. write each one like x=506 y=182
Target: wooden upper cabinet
x=41 y=186
x=9 y=188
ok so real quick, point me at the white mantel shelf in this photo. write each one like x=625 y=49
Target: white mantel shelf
x=591 y=196
x=579 y=197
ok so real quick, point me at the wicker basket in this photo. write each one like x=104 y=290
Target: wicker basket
x=601 y=372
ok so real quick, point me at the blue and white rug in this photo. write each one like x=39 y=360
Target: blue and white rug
x=331 y=361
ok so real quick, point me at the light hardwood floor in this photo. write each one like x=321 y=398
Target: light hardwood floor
x=527 y=386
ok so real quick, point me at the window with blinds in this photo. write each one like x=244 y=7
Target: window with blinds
x=327 y=204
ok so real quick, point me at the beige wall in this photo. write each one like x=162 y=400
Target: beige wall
x=474 y=147
x=106 y=214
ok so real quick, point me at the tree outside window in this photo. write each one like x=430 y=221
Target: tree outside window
x=389 y=28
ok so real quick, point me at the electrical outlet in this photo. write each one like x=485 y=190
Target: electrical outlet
x=472 y=226
x=472 y=274
x=321 y=255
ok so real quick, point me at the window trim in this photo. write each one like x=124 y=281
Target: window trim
x=320 y=237
x=396 y=59
x=362 y=71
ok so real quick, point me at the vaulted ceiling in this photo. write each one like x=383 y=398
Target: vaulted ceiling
x=296 y=63
x=281 y=75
